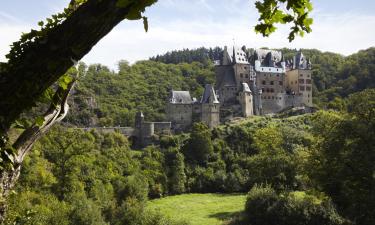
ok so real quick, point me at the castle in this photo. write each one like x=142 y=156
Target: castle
x=247 y=83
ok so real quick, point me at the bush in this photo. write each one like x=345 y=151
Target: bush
x=265 y=207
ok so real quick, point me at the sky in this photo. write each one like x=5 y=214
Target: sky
x=341 y=26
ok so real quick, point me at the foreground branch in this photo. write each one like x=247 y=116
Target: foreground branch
x=56 y=112
x=25 y=77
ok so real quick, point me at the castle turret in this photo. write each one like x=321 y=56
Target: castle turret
x=245 y=98
x=210 y=107
x=139 y=119
x=299 y=81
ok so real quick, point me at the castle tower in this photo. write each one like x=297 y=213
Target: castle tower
x=299 y=80
x=270 y=70
x=210 y=107
x=245 y=98
x=179 y=110
x=139 y=119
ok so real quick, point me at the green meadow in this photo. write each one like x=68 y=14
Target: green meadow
x=200 y=209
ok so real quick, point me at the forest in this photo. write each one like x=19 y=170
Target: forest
x=307 y=169
x=303 y=168
x=145 y=85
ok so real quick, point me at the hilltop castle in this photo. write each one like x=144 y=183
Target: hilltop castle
x=247 y=83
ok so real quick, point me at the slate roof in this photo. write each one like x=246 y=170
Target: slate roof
x=180 y=97
x=209 y=95
x=227 y=79
x=300 y=61
x=235 y=55
x=268 y=58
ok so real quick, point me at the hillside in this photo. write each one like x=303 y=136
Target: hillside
x=74 y=176
x=143 y=86
x=108 y=98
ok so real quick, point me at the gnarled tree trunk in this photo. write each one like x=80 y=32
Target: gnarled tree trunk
x=24 y=78
x=56 y=112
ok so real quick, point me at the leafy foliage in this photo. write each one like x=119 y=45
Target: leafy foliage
x=265 y=207
x=343 y=157
x=284 y=11
x=145 y=86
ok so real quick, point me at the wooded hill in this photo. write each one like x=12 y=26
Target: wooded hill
x=308 y=169
x=107 y=98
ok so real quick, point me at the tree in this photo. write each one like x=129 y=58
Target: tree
x=265 y=207
x=199 y=146
x=175 y=168
x=42 y=56
x=343 y=157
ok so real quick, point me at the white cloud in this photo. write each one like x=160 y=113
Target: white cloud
x=342 y=33
x=345 y=34
x=9 y=34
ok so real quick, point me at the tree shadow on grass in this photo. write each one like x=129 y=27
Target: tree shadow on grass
x=225 y=215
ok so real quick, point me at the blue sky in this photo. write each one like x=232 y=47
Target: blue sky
x=342 y=26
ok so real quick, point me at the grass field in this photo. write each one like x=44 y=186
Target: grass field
x=200 y=209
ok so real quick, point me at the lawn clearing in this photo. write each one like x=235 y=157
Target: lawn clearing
x=200 y=209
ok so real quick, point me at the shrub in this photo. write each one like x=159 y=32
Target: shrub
x=265 y=207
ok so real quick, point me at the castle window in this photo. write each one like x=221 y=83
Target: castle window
x=301 y=81
x=302 y=88
x=308 y=81
x=273 y=97
x=280 y=83
x=262 y=89
x=277 y=74
x=247 y=75
x=301 y=75
x=308 y=88
x=271 y=83
x=272 y=90
x=264 y=82
x=308 y=75
x=245 y=67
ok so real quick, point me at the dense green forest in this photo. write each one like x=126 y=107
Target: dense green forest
x=308 y=169
x=116 y=96
x=143 y=86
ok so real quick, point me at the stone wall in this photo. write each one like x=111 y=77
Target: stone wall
x=211 y=115
x=162 y=127
x=180 y=115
